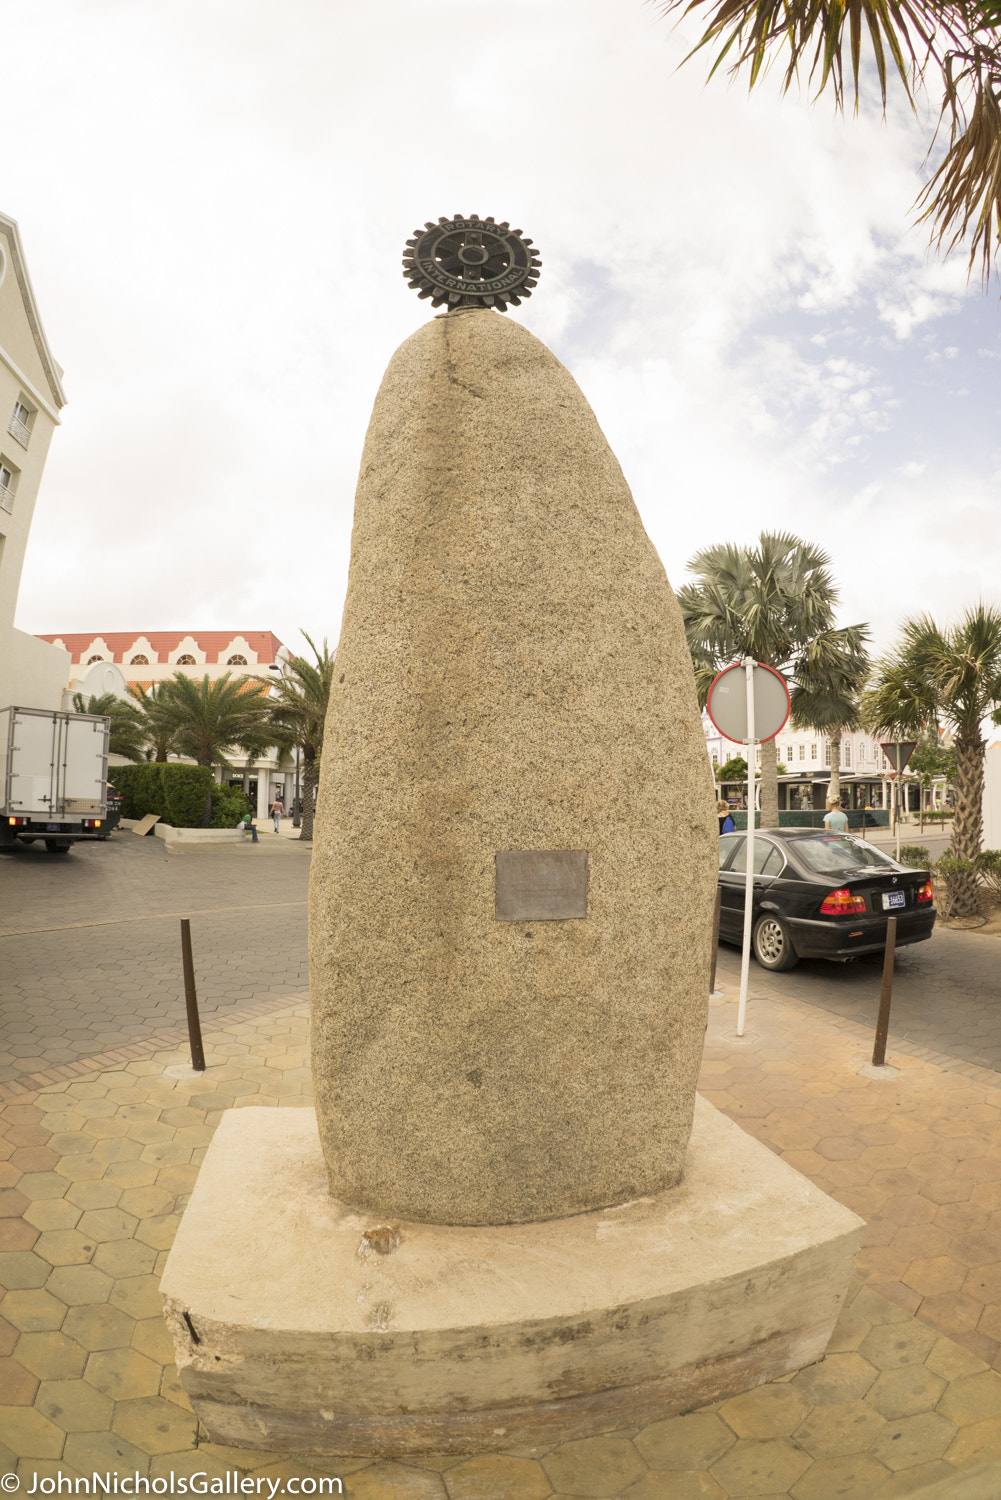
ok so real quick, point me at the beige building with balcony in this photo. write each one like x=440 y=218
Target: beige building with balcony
x=33 y=672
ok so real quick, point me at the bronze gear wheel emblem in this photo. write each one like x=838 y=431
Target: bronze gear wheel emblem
x=471 y=262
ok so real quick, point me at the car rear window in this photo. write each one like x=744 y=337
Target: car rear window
x=833 y=854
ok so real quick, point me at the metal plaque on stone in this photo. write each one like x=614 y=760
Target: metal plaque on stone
x=540 y=885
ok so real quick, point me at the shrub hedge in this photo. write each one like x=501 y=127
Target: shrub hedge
x=178 y=794
x=229 y=805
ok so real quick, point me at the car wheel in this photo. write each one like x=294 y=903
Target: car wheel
x=55 y=847
x=772 y=944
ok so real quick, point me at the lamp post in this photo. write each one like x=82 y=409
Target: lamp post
x=296 y=819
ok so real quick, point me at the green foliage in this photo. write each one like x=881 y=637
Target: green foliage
x=208 y=718
x=178 y=794
x=735 y=769
x=960 y=40
x=957 y=882
x=989 y=869
x=950 y=676
x=229 y=805
x=298 y=714
x=126 y=736
x=915 y=855
x=931 y=758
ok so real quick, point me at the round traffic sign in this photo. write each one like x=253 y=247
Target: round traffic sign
x=727 y=702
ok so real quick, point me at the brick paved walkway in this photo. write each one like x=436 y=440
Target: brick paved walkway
x=96 y=1170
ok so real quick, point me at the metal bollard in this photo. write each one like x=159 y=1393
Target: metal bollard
x=883 y=1019
x=715 y=948
x=191 y=999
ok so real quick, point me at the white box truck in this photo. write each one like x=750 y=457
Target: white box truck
x=55 y=784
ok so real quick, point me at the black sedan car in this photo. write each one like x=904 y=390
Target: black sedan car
x=819 y=895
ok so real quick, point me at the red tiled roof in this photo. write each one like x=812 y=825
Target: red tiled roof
x=213 y=642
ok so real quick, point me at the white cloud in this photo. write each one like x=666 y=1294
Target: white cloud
x=214 y=205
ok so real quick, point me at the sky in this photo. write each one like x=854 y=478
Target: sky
x=214 y=196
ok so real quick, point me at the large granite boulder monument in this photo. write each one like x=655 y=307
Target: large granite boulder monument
x=500 y=1226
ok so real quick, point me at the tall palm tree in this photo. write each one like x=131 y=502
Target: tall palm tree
x=126 y=737
x=950 y=676
x=209 y=717
x=299 y=710
x=774 y=602
x=958 y=39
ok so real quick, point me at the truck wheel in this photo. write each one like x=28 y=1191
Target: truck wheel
x=56 y=846
x=27 y=841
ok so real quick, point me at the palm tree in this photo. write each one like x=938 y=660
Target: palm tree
x=156 y=715
x=209 y=718
x=960 y=39
x=299 y=710
x=126 y=737
x=776 y=604
x=952 y=677
x=827 y=698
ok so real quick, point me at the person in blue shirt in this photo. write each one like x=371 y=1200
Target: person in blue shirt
x=726 y=823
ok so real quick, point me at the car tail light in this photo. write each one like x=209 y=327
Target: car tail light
x=925 y=894
x=91 y=822
x=842 y=903
x=16 y=822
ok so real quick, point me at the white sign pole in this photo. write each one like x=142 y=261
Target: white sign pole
x=745 y=957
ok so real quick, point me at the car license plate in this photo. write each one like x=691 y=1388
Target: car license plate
x=892 y=898
x=52 y=827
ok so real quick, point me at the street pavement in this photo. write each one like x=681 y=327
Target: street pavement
x=90 y=951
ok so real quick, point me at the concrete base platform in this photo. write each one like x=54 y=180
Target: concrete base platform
x=301 y=1324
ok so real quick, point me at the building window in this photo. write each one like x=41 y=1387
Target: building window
x=847 y=748
x=788 y=752
x=139 y=661
x=236 y=661
x=92 y=659
x=813 y=752
x=19 y=425
x=827 y=752
x=8 y=483
x=715 y=758
x=186 y=661
x=802 y=752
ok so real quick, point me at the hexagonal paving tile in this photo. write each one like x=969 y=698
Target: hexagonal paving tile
x=895 y=1344
x=123 y=1374
x=484 y=1477
x=690 y=1442
x=33 y=1311
x=74 y=1405
x=913 y=1440
x=51 y=1356
x=64 y=1247
x=17 y=1385
x=124 y=1258
x=839 y=1429
x=79 y=1284
x=761 y=1468
x=905 y=1391
x=139 y=1296
x=99 y=1326
x=856 y=1476
x=593 y=1466
x=155 y=1425
x=29 y=1434
x=21 y=1270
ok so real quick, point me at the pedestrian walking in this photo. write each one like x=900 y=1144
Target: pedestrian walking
x=726 y=823
x=277 y=811
x=836 y=820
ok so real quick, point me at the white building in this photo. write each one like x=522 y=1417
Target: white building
x=108 y=661
x=32 y=672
